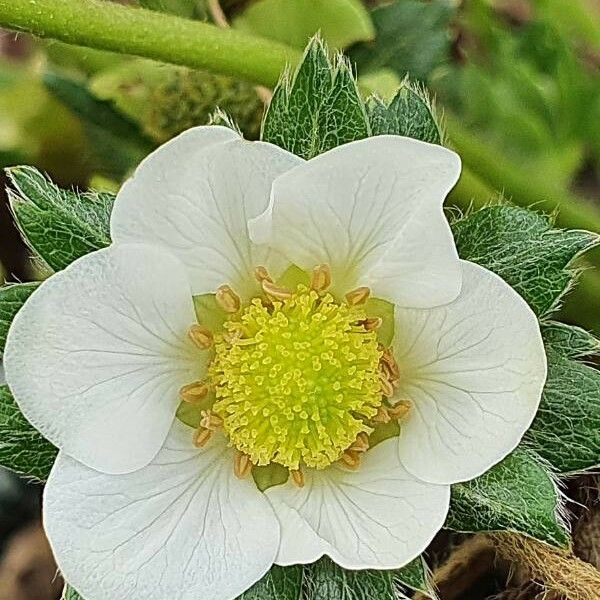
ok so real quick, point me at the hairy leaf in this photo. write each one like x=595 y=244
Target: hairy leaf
x=280 y=583
x=12 y=297
x=22 y=448
x=518 y=494
x=522 y=247
x=59 y=225
x=70 y=594
x=571 y=341
x=318 y=109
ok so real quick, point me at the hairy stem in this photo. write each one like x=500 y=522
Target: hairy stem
x=127 y=30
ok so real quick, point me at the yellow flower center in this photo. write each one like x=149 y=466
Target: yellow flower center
x=296 y=379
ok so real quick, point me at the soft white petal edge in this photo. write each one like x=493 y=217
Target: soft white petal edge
x=195 y=195
x=379 y=517
x=182 y=527
x=97 y=354
x=372 y=210
x=474 y=371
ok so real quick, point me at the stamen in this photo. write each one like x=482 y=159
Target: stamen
x=400 y=410
x=227 y=299
x=387 y=389
x=321 y=278
x=298 y=477
x=242 y=465
x=201 y=336
x=382 y=416
x=390 y=364
x=262 y=274
x=358 y=296
x=274 y=291
x=210 y=421
x=194 y=392
x=361 y=444
x=201 y=437
x=372 y=323
x=351 y=459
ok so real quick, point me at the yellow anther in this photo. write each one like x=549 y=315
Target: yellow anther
x=382 y=416
x=361 y=444
x=358 y=296
x=242 y=465
x=227 y=299
x=351 y=459
x=321 y=278
x=274 y=291
x=372 y=323
x=210 y=421
x=400 y=410
x=201 y=437
x=387 y=389
x=262 y=274
x=194 y=392
x=201 y=336
x=298 y=478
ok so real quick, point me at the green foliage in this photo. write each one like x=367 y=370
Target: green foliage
x=522 y=247
x=12 y=297
x=411 y=38
x=410 y=113
x=280 y=583
x=318 y=109
x=568 y=340
x=70 y=594
x=22 y=448
x=519 y=494
x=181 y=8
x=339 y=22
x=59 y=225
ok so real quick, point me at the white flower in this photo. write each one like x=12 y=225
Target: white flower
x=100 y=352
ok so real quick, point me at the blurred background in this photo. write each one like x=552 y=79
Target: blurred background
x=517 y=82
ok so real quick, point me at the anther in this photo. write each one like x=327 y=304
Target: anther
x=194 y=392
x=372 y=323
x=227 y=299
x=321 y=278
x=201 y=437
x=210 y=421
x=389 y=362
x=382 y=416
x=242 y=465
x=274 y=291
x=298 y=478
x=262 y=274
x=201 y=336
x=387 y=389
x=358 y=296
x=361 y=444
x=400 y=410
x=351 y=459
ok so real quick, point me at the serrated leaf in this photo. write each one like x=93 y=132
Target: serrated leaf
x=522 y=247
x=59 y=225
x=12 y=297
x=22 y=447
x=293 y=22
x=319 y=109
x=569 y=340
x=519 y=494
x=566 y=430
x=280 y=583
x=410 y=113
x=412 y=37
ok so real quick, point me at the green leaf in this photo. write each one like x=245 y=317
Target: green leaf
x=412 y=37
x=415 y=577
x=293 y=22
x=280 y=583
x=319 y=109
x=519 y=494
x=522 y=247
x=568 y=340
x=410 y=113
x=22 y=448
x=70 y=594
x=566 y=430
x=59 y=225
x=181 y=8
x=12 y=297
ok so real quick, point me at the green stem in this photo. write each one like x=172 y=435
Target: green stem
x=127 y=30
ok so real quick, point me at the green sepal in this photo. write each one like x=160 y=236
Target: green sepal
x=208 y=312
x=23 y=449
x=59 y=225
x=525 y=250
x=318 y=108
x=12 y=297
x=376 y=307
x=519 y=494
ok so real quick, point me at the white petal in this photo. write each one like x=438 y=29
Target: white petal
x=378 y=517
x=97 y=354
x=194 y=195
x=183 y=527
x=474 y=370
x=372 y=210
